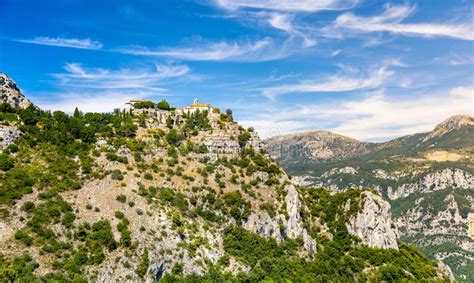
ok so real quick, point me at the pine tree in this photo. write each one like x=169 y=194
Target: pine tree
x=77 y=113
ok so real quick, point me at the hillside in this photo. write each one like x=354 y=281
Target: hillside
x=427 y=178
x=177 y=194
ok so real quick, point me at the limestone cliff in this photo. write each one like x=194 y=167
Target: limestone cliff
x=373 y=224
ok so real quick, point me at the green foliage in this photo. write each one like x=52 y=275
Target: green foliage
x=5 y=162
x=268 y=207
x=173 y=137
x=116 y=175
x=244 y=138
x=164 y=105
x=144 y=104
x=273 y=262
x=236 y=206
x=197 y=121
x=144 y=264
x=121 y=198
x=19 y=269
x=330 y=208
x=433 y=202
x=177 y=200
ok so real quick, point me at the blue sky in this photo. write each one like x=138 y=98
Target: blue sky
x=369 y=69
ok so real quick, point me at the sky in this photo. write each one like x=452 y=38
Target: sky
x=371 y=70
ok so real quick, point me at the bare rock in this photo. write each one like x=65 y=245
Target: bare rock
x=373 y=224
x=11 y=94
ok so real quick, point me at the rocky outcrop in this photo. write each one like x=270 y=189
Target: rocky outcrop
x=8 y=135
x=11 y=94
x=373 y=224
x=447 y=178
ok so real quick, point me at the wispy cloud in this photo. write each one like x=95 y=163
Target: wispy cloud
x=97 y=78
x=283 y=21
x=102 y=90
x=64 y=42
x=260 y=50
x=375 y=117
x=350 y=80
x=390 y=21
x=287 y=5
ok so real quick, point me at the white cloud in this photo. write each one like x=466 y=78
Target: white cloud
x=102 y=90
x=376 y=117
x=390 y=21
x=260 y=50
x=105 y=101
x=335 y=83
x=287 y=5
x=64 y=42
x=97 y=78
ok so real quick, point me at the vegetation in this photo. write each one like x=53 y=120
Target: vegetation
x=144 y=104
x=270 y=261
x=58 y=153
x=163 y=105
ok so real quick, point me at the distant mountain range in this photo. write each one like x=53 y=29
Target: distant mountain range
x=323 y=146
x=427 y=178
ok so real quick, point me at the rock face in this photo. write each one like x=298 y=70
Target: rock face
x=373 y=224
x=11 y=94
x=447 y=178
x=294 y=227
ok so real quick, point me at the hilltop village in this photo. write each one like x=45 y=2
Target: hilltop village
x=224 y=138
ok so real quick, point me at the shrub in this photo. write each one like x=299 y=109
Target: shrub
x=144 y=264
x=116 y=175
x=173 y=137
x=5 y=162
x=119 y=215
x=28 y=207
x=144 y=104
x=121 y=198
x=148 y=176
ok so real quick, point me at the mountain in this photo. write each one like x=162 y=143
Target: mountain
x=428 y=178
x=315 y=145
x=179 y=194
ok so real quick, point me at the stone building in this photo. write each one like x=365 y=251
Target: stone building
x=196 y=106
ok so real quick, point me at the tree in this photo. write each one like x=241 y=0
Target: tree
x=5 y=162
x=164 y=105
x=244 y=138
x=77 y=114
x=144 y=104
